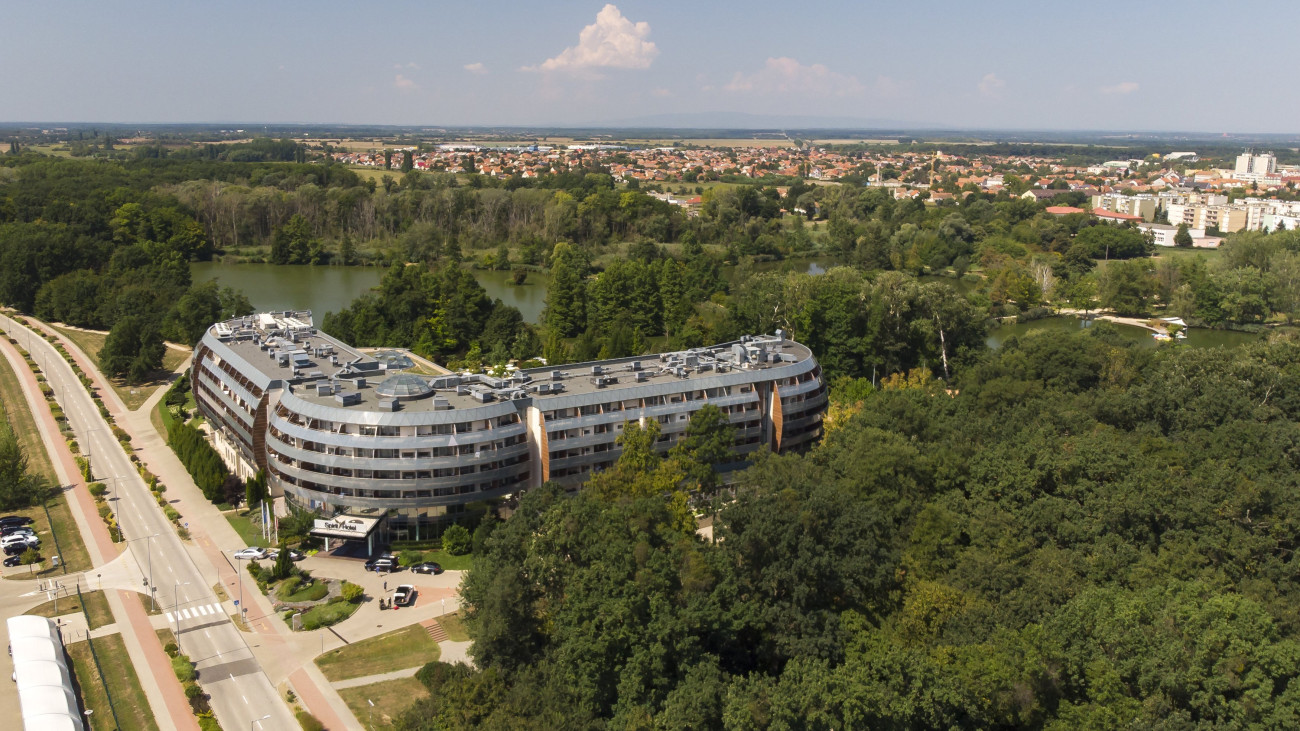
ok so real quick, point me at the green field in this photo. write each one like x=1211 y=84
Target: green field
x=128 y=697
x=60 y=520
x=404 y=648
x=97 y=611
x=454 y=626
x=133 y=397
x=377 y=704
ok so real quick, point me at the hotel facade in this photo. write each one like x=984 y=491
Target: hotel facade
x=341 y=432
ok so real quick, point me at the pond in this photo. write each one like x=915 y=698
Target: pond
x=1196 y=337
x=324 y=289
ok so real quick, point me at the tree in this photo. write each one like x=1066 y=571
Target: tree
x=408 y=161
x=19 y=488
x=292 y=242
x=31 y=558
x=1127 y=287
x=566 y=298
x=456 y=540
x=708 y=442
x=1183 y=238
x=283 y=566
x=133 y=349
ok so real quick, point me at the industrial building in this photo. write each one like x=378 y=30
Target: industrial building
x=342 y=432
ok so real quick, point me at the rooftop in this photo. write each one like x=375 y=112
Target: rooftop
x=285 y=347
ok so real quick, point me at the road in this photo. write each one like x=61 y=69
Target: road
x=241 y=693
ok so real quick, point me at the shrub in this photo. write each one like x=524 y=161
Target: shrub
x=171 y=649
x=183 y=669
x=352 y=592
x=255 y=569
x=410 y=558
x=192 y=690
x=456 y=540
x=289 y=586
x=171 y=513
x=97 y=489
x=105 y=511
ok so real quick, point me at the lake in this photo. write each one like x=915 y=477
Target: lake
x=324 y=289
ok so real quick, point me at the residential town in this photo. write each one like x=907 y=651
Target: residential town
x=1158 y=194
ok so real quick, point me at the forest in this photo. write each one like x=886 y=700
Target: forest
x=1073 y=533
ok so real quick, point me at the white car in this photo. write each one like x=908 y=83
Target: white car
x=251 y=553
x=20 y=538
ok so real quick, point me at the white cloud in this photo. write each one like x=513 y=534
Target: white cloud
x=612 y=42
x=401 y=82
x=991 y=85
x=785 y=75
x=662 y=92
x=476 y=68
x=1123 y=87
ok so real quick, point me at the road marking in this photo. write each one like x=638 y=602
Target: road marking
x=170 y=618
x=202 y=610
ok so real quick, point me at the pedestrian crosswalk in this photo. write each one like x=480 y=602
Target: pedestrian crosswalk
x=195 y=612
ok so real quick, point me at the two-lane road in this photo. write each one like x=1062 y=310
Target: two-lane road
x=241 y=693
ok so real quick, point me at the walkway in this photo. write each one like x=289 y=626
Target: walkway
x=283 y=656
x=166 y=697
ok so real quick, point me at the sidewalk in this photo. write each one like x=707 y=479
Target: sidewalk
x=281 y=655
x=156 y=677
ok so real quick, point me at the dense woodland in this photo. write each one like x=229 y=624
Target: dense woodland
x=1086 y=535
x=1065 y=533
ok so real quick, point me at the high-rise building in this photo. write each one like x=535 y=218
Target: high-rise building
x=1249 y=163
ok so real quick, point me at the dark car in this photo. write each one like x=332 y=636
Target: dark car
x=9 y=520
x=16 y=549
x=404 y=596
x=428 y=567
x=14 y=561
x=385 y=564
x=9 y=530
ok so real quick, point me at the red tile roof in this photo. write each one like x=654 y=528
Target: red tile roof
x=1062 y=210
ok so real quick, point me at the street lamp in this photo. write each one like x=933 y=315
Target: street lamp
x=258 y=721
x=153 y=595
x=176 y=609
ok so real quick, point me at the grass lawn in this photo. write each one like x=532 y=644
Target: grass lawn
x=96 y=608
x=243 y=524
x=325 y=615
x=60 y=520
x=404 y=648
x=128 y=697
x=315 y=591
x=90 y=341
x=449 y=562
x=454 y=626
x=390 y=698
x=148 y=606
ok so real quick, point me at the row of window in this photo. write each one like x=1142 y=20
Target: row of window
x=383 y=430
x=647 y=402
x=511 y=481
x=460 y=450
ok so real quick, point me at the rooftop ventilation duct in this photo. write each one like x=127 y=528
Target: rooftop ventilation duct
x=347 y=399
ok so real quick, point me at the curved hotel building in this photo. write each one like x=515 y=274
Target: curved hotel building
x=344 y=432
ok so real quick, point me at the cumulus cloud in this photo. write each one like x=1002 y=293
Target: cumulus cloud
x=401 y=82
x=612 y=42
x=785 y=75
x=1123 y=87
x=476 y=68
x=991 y=85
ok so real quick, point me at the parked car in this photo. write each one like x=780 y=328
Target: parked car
x=20 y=538
x=251 y=553
x=428 y=567
x=14 y=549
x=15 y=560
x=386 y=564
x=404 y=596
x=274 y=553
x=16 y=520
x=16 y=530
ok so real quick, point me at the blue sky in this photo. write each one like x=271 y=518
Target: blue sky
x=1186 y=65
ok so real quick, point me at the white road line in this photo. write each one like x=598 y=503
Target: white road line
x=170 y=618
x=186 y=613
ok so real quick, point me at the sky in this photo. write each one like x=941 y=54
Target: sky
x=1140 y=66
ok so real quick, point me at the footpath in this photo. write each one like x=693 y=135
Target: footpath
x=164 y=691
x=285 y=656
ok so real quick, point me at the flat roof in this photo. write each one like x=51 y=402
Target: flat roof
x=285 y=347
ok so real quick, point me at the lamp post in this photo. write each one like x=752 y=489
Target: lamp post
x=258 y=721
x=176 y=609
x=153 y=595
